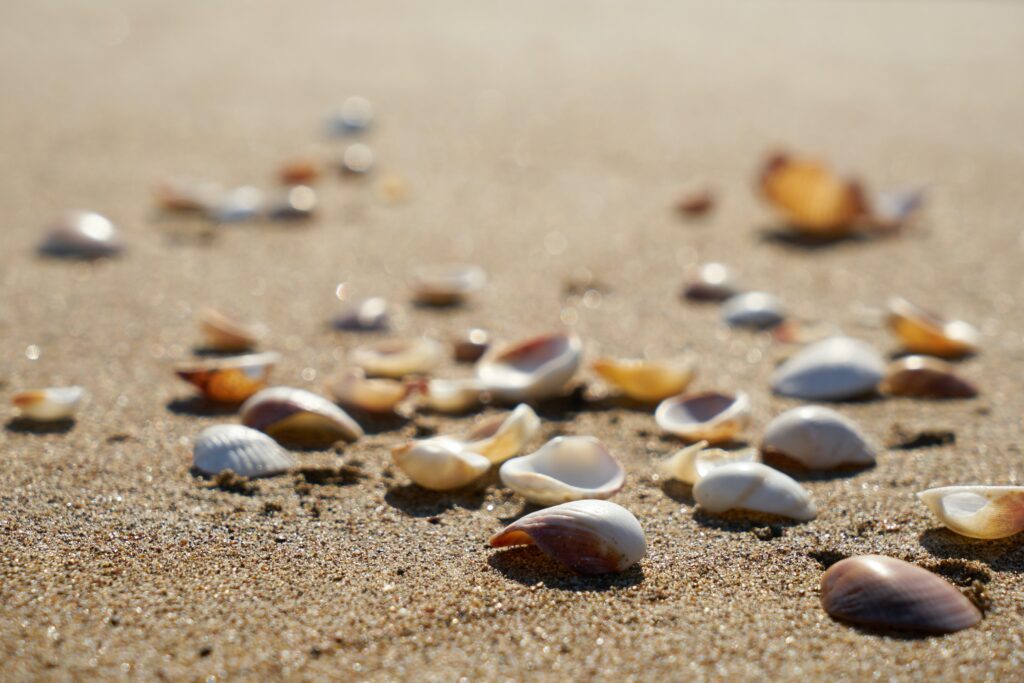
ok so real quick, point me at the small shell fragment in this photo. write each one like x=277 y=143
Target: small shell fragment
x=696 y=202
x=294 y=203
x=353 y=389
x=357 y=159
x=712 y=282
x=472 y=345
x=186 y=194
x=753 y=486
x=440 y=463
x=531 y=370
x=81 y=235
x=243 y=450
x=712 y=417
x=353 y=116
x=753 y=310
x=368 y=315
x=648 y=381
x=883 y=592
x=500 y=437
x=237 y=204
x=986 y=512
x=48 y=405
x=925 y=377
x=565 y=468
x=690 y=464
x=922 y=331
x=589 y=536
x=812 y=197
x=224 y=332
x=398 y=357
x=833 y=369
x=817 y=438
x=446 y=283
x=451 y=395
x=297 y=416
x=232 y=379
x=299 y=171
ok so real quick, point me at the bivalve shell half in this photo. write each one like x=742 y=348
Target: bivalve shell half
x=300 y=417
x=244 y=451
x=367 y=315
x=833 y=369
x=52 y=404
x=81 y=235
x=531 y=370
x=986 y=512
x=648 y=381
x=755 y=487
x=224 y=332
x=354 y=390
x=446 y=283
x=925 y=377
x=589 y=536
x=711 y=417
x=812 y=198
x=565 y=468
x=712 y=282
x=883 y=592
x=398 y=357
x=817 y=438
x=232 y=379
x=690 y=464
x=294 y=203
x=187 y=194
x=753 y=310
x=471 y=346
x=440 y=463
x=921 y=331
x=452 y=395
x=237 y=204
x=503 y=436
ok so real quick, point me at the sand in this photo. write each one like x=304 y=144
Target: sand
x=546 y=142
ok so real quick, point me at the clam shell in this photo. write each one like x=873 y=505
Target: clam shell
x=753 y=310
x=565 y=468
x=223 y=332
x=690 y=464
x=353 y=116
x=978 y=511
x=500 y=437
x=884 y=592
x=229 y=380
x=82 y=235
x=357 y=159
x=922 y=331
x=648 y=381
x=712 y=417
x=52 y=404
x=298 y=416
x=818 y=438
x=440 y=463
x=833 y=369
x=451 y=395
x=925 y=377
x=533 y=369
x=243 y=450
x=186 y=194
x=588 y=536
x=294 y=203
x=398 y=357
x=446 y=283
x=712 y=282
x=367 y=315
x=753 y=486
x=812 y=197
x=353 y=390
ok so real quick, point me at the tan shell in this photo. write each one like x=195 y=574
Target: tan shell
x=978 y=511
x=445 y=283
x=925 y=377
x=353 y=389
x=648 y=381
x=440 y=463
x=186 y=194
x=812 y=197
x=451 y=395
x=398 y=357
x=52 y=404
x=297 y=416
x=710 y=416
x=921 y=331
x=229 y=380
x=531 y=370
x=224 y=332
x=565 y=468
x=299 y=171
x=500 y=437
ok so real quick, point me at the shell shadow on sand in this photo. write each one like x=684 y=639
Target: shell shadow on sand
x=1004 y=554
x=197 y=406
x=20 y=425
x=789 y=237
x=529 y=566
x=416 y=501
x=742 y=521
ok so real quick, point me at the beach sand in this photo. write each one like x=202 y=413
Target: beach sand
x=547 y=142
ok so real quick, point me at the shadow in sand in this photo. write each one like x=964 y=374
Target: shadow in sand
x=679 y=492
x=21 y=425
x=1004 y=554
x=528 y=565
x=741 y=520
x=826 y=558
x=797 y=471
x=342 y=475
x=887 y=633
x=227 y=481
x=904 y=353
x=417 y=501
x=207 y=352
x=377 y=423
x=789 y=237
x=526 y=509
x=441 y=306
x=563 y=408
x=197 y=406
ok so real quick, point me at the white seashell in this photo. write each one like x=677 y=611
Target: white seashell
x=452 y=395
x=357 y=159
x=646 y=380
x=48 y=405
x=753 y=486
x=755 y=310
x=712 y=282
x=987 y=512
x=244 y=451
x=237 y=204
x=298 y=416
x=818 y=438
x=565 y=468
x=398 y=357
x=364 y=316
x=223 y=332
x=533 y=369
x=830 y=370
x=690 y=464
x=446 y=283
x=502 y=436
x=293 y=203
x=354 y=115
x=186 y=194
x=352 y=389
x=81 y=234
x=712 y=417
x=589 y=536
x=440 y=463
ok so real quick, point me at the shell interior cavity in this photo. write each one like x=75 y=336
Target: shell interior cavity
x=712 y=282
x=232 y=379
x=48 y=405
x=367 y=315
x=648 y=381
x=925 y=377
x=566 y=468
x=986 y=512
x=588 y=536
x=440 y=463
x=298 y=416
x=500 y=437
x=223 y=332
x=243 y=450
x=817 y=438
x=754 y=310
x=712 y=417
x=398 y=357
x=922 y=331
x=533 y=369
x=82 y=235
x=447 y=283
x=690 y=464
x=753 y=486
x=452 y=395
x=353 y=389
x=833 y=369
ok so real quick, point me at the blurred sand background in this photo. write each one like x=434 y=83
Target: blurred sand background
x=544 y=141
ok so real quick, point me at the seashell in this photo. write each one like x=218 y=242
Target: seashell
x=471 y=346
x=818 y=438
x=712 y=282
x=440 y=463
x=690 y=464
x=925 y=377
x=755 y=310
x=237 y=204
x=444 y=284
x=243 y=450
x=393 y=189
x=648 y=381
x=223 y=332
x=884 y=592
x=812 y=197
x=987 y=512
x=712 y=417
x=588 y=536
x=753 y=486
x=364 y=316
x=185 y=194
x=533 y=369
x=83 y=235
x=830 y=370
x=354 y=115
x=696 y=202
x=298 y=416
x=295 y=203
x=565 y=468
x=52 y=404
x=921 y=331
x=357 y=159
x=891 y=210
x=398 y=357
x=299 y=171
x=500 y=437
x=352 y=389
x=451 y=395
x=232 y=379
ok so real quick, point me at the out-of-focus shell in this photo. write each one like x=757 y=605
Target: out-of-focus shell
x=244 y=451
x=812 y=197
x=472 y=345
x=753 y=486
x=921 y=331
x=690 y=464
x=445 y=283
x=81 y=235
x=52 y=404
x=299 y=171
x=754 y=310
x=648 y=381
x=186 y=194
x=440 y=464
x=978 y=511
x=533 y=369
x=237 y=204
x=500 y=437
x=589 y=536
x=224 y=332
x=833 y=369
x=925 y=377
x=229 y=380
x=357 y=159
x=451 y=395
x=294 y=203
x=398 y=357
x=817 y=438
x=298 y=416
x=712 y=282
x=566 y=468
x=712 y=417
x=353 y=116
x=367 y=315
x=696 y=202
x=353 y=389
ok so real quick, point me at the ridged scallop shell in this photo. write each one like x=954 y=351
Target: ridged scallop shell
x=244 y=451
x=446 y=283
x=224 y=332
x=925 y=377
x=812 y=197
x=690 y=464
x=647 y=381
x=711 y=417
x=884 y=592
x=753 y=310
x=229 y=380
x=398 y=357
x=978 y=511
x=712 y=282
x=353 y=389
x=52 y=404
x=753 y=486
x=921 y=331
x=833 y=369
x=451 y=395
x=298 y=416
x=83 y=235
x=500 y=437
x=565 y=468
x=531 y=370
x=818 y=438
x=589 y=536
x=440 y=463
x=367 y=315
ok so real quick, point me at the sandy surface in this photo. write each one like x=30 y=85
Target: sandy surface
x=543 y=141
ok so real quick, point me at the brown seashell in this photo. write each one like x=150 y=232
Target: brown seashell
x=472 y=345
x=711 y=282
x=814 y=198
x=299 y=171
x=883 y=592
x=922 y=331
x=696 y=202
x=299 y=417
x=229 y=380
x=925 y=377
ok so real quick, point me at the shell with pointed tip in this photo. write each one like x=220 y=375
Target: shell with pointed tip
x=712 y=282
x=533 y=369
x=817 y=438
x=812 y=197
x=368 y=315
x=833 y=369
x=588 y=536
x=223 y=332
x=978 y=511
x=712 y=417
x=82 y=235
x=229 y=380
x=925 y=377
x=753 y=310
x=299 y=417
x=565 y=468
x=440 y=463
x=922 y=331
x=690 y=464
x=445 y=283
x=353 y=389
x=398 y=357
x=883 y=592
x=503 y=436
x=52 y=404
x=755 y=487
x=452 y=395
x=648 y=381
x=243 y=450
